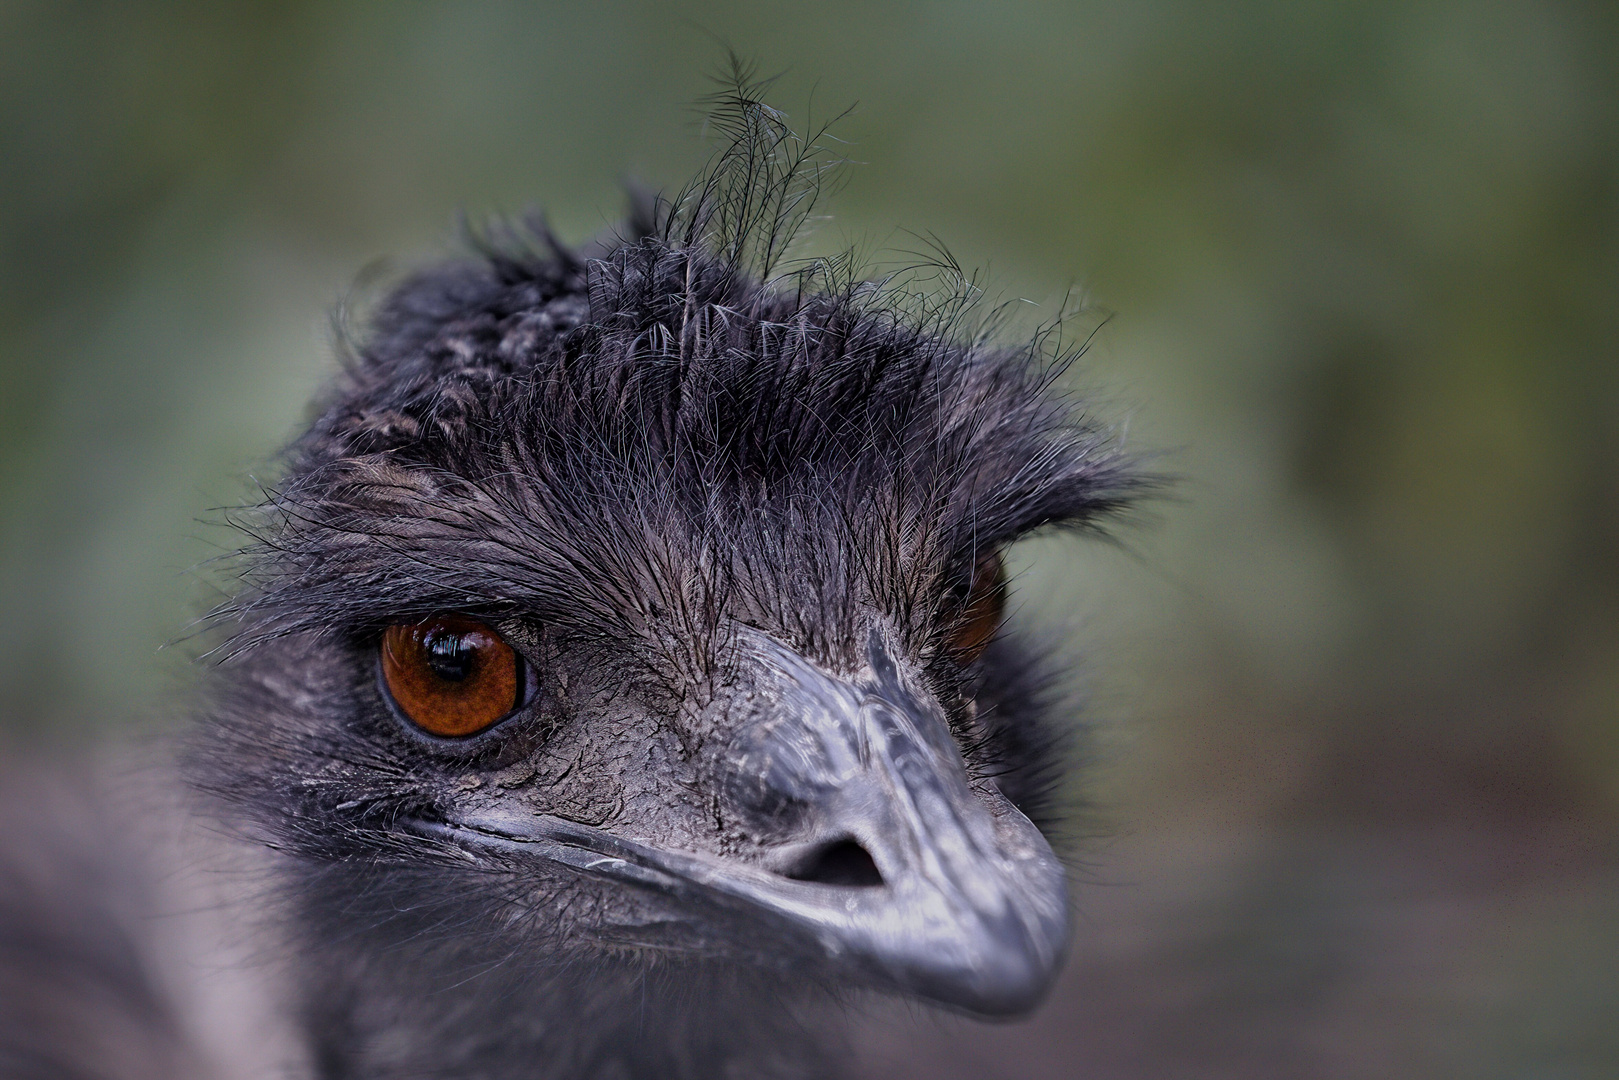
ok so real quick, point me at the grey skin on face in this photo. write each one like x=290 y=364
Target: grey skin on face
x=965 y=903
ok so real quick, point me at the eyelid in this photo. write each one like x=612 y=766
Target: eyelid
x=522 y=635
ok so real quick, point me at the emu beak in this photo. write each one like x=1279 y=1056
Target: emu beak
x=967 y=905
x=942 y=891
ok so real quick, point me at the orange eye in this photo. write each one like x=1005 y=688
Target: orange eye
x=451 y=675
x=981 y=614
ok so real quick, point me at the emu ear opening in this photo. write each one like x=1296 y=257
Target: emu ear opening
x=982 y=610
x=450 y=675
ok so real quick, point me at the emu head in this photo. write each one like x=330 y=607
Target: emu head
x=623 y=607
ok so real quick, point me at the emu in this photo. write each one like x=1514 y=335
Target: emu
x=617 y=675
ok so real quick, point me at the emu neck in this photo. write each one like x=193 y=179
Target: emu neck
x=418 y=1010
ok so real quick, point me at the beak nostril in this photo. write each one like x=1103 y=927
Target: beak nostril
x=843 y=862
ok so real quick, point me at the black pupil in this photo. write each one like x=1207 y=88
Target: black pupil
x=451 y=656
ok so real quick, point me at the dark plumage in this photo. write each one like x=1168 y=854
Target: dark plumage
x=735 y=523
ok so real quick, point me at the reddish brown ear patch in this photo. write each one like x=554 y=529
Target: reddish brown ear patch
x=450 y=675
x=983 y=610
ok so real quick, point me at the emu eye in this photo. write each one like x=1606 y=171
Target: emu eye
x=450 y=675
x=980 y=614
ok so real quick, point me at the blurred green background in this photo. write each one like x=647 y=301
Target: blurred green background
x=1357 y=685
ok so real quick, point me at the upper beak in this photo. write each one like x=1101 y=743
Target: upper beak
x=971 y=907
